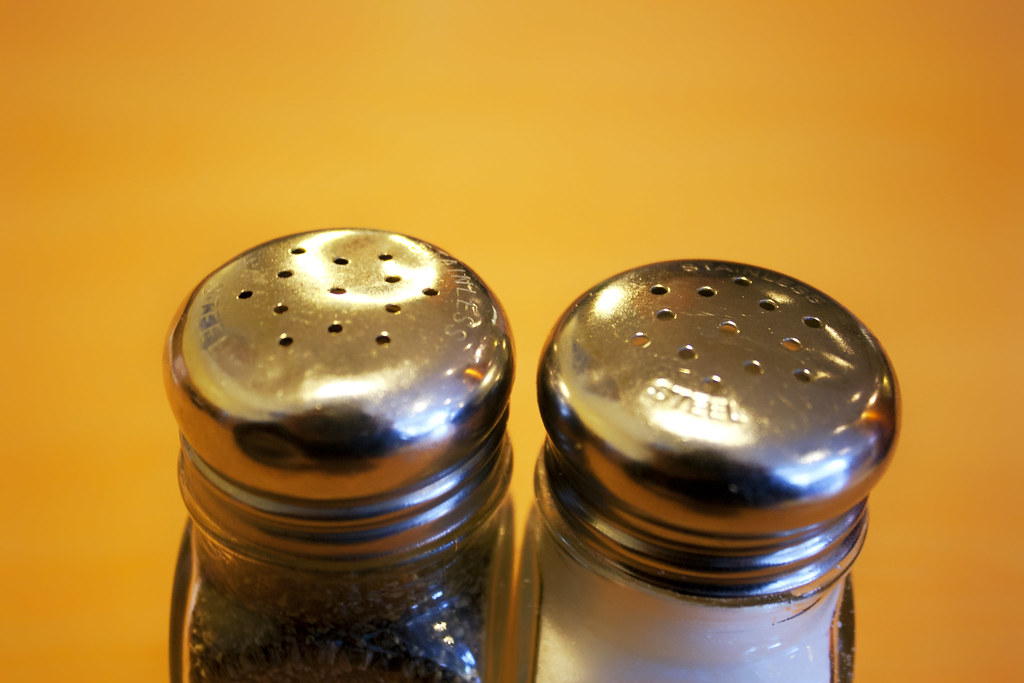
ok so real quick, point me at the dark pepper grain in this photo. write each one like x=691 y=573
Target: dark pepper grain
x=258 y=622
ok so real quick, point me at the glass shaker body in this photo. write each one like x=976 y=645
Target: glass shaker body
x=342 y=397
x=713 y=432
x=439 y=616
x=592 y=622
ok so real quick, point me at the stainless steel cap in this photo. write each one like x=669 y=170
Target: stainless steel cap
x=349 y=368
x=715 y=426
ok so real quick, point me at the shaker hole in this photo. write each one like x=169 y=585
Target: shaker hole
x=285 y=340
x=729 y=327
x=298 y=250
x=430 y=291
x=706 y=291
x=280 y=308
x=713 y=382
x=245 y=294
x=753 y=367
x=385 y=257
x=393 y=308
x=768 y=304
x=665 y=314
x=658 y=290
x=812 y=322
x=392 y=278
x=383 y=339
x=640 y=340
x=803 y=374
x=341 y=261
x=337 y=290
x=687 y=352
x=334 y=328
x=285 y=273
x=742 y=281
x=792 y=343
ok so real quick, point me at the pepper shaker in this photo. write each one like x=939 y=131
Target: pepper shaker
x=713 y=431
x=342 y=397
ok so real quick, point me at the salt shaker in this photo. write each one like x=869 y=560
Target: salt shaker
x=713 y=432
x=342 y=397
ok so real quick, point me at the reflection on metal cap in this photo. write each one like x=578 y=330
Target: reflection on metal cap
x=715 y=426
x=340 y=374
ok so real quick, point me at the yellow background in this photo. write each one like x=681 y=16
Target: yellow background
x=872 y=149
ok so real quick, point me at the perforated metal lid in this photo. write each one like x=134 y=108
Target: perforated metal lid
x=352 y=367
x=716 y=425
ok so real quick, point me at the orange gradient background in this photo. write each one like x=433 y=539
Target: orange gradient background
x=873 y=150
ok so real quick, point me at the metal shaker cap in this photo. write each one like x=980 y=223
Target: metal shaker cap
x=715 y=427
x=341 y=370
